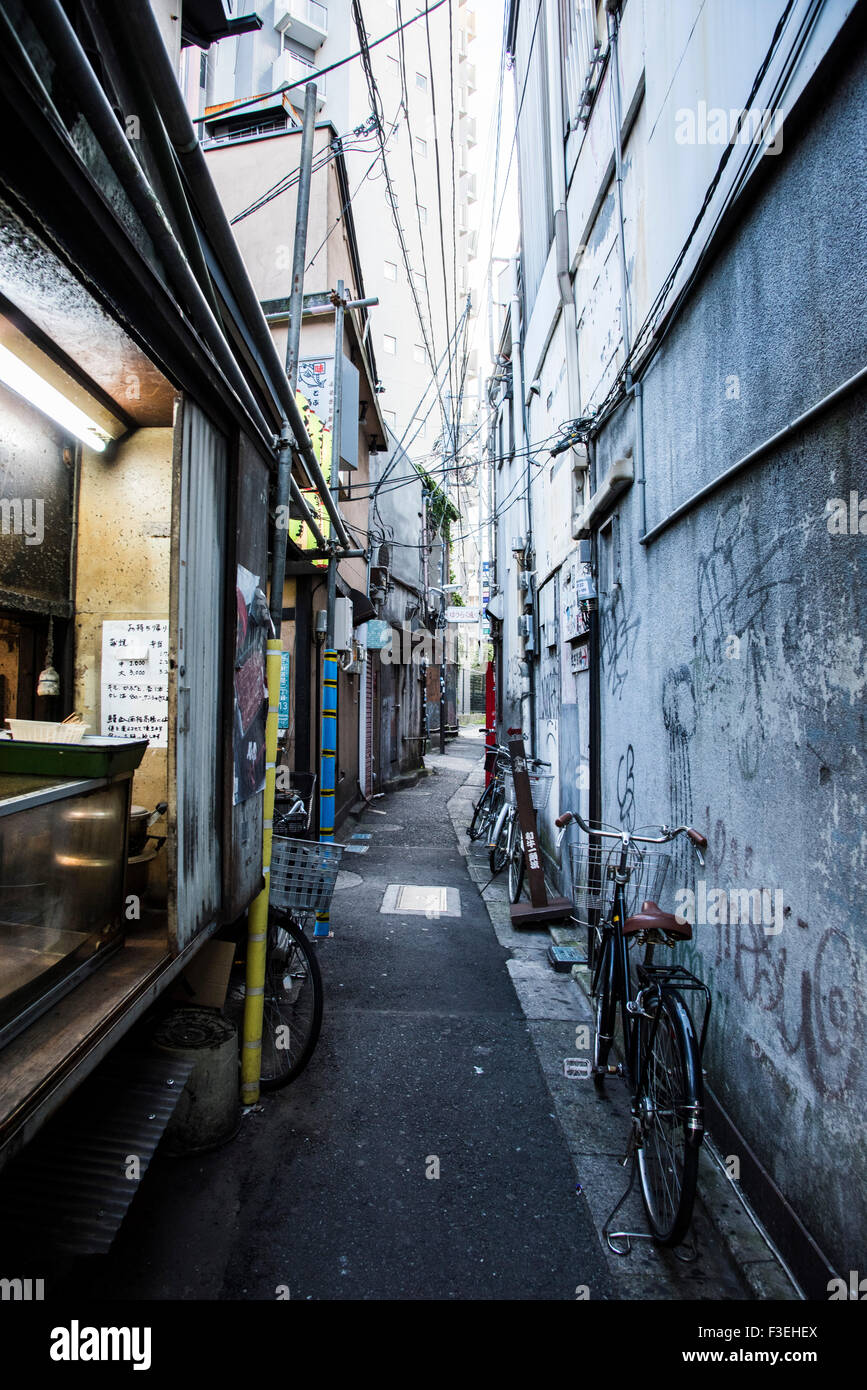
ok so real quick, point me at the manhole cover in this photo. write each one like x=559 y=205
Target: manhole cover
x=428 y=901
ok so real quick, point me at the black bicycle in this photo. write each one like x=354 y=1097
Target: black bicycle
x=487 y=809
x=615 y=893
x=303 y=874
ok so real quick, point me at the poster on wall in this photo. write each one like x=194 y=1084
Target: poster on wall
x=251 y=700
x=135 y=680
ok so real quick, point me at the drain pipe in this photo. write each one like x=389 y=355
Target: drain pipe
x=633 y=388
x=517 y=356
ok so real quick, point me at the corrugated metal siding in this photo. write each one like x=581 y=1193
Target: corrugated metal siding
x=201 y=551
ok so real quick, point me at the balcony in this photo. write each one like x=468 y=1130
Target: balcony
x=467 y=75
x=293 y=72
x=305 y=21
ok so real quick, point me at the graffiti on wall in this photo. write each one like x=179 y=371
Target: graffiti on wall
x=619 y=632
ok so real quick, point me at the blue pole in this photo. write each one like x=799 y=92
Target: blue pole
x=327 y=768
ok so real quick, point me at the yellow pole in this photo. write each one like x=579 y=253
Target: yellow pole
x=257 y=916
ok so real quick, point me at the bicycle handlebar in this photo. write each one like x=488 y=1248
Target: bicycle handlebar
x=699 y=841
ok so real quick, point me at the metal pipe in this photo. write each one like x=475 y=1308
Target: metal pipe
x=176 y=119
x=302 y=212
x=618 y=165
x=328 y=753
x=293 y=339
x=517 y=353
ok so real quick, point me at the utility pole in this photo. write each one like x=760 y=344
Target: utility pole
x=257 y=917
x=296 y=307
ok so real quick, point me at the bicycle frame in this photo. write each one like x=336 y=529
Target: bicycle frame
x=666 y=978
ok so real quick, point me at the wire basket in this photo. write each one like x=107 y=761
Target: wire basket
x=303 y=874
x=540 y=787
x=593 y=882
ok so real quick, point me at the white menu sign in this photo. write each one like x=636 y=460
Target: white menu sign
x=135 y=680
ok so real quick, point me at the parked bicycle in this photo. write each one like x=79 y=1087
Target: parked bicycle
x=507 y=838
x=303 y=875
x=615 y=893
x=487 y=809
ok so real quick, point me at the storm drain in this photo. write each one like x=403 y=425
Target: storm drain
x=427 y=901
x=71 y=1187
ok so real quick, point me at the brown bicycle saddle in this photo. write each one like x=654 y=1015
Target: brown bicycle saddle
x=652 y=918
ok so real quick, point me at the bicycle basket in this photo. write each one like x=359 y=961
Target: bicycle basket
x=593 y=882
x=540 y=788
x=303 y=874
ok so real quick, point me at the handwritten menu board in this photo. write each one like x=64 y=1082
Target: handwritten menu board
x=135 y=680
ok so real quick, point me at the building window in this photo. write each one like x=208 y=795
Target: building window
x=389 y=270
x=421 y=146
x=421 y=81
x=418 y=353
x=389 y=344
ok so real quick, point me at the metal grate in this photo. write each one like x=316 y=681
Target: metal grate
x=303 y=874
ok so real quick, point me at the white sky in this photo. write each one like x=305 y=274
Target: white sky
x=486 y=54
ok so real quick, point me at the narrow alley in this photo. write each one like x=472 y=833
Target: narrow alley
x=421 y=1155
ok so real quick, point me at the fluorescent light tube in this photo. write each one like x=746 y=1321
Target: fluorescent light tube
x=25 y=382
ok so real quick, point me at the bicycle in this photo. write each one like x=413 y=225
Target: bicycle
x=487 y=809
x=303 y=875
x=661 y=1050
x=507 y=838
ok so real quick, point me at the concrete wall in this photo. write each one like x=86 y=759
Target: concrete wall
x=733 y=659
x=732 y=647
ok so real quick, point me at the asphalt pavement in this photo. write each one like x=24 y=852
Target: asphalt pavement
x=419 y=1156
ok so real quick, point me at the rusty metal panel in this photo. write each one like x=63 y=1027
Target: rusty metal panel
x=195 y=711
x=242 y=848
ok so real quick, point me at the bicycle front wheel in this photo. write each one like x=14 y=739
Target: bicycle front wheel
x=515 y=854
x=670 y=1108
x=292 y=1014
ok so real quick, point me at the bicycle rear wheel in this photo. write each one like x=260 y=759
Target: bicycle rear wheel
x=670 y=1109
x=292 y=1015
x=481 y=813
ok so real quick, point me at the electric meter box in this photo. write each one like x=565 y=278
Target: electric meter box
x=343 y=625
